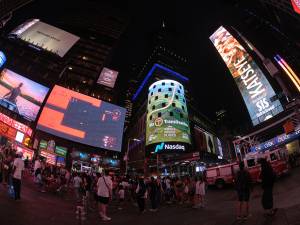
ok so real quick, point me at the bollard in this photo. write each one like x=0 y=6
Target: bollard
x=80 y=214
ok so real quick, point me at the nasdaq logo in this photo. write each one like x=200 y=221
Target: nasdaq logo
x=2 y=59
x=164 y=146
x=159 y=147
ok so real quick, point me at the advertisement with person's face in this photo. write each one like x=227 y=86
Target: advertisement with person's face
x=21 y=95
x=81 y=118
x=252 y=83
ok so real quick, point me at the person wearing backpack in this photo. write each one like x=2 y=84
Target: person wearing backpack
x=243 y=184
x=267 y=177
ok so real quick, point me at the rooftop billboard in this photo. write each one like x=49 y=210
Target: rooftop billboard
x=252 y=83
x=108 y=77
x=45 y=36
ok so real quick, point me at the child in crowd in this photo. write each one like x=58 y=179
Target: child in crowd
x=121 y=195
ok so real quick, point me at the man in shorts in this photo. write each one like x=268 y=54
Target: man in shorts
x=104 y=192
x=243 y=188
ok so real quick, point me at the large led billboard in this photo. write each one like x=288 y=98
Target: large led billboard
x=21 y=95
x=45 y=36
x=167 y=116
x=81 y=118
x=252 y=83
x=296 y=5
x=108 y=77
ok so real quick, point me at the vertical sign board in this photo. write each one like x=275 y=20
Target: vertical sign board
x=252 y=83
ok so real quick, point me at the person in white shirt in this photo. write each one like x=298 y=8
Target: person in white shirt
x=121 y=194
x=200 y=192
x=18 y=167
x=77 y=181
x=104 y=193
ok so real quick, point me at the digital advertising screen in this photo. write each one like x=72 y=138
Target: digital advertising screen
x=45 y=36
x=296 y=5
x=2 y=58
x=252 y=83
x=50 y=157
x=108 y=77
x=21 y=95
x=167 y=122
x=81 y=118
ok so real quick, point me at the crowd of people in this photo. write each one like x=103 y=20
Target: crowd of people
x=100 y=189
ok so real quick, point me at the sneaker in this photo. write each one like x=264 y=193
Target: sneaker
x=106 y=219
x=238 y=218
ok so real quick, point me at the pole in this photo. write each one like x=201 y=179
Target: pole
x=126 y=161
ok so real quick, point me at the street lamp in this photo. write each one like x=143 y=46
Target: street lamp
x=126 y=155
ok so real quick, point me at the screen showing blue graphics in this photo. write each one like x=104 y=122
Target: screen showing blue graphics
x=81 y=118
x=252 y=83
x=2 y=59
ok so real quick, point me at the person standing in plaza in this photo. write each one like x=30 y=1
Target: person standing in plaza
x=141 y=194
x=104 y=193
x=153 y=190
x=18 y=168
x=243 y=188
x=267 y=177
x=77 y=182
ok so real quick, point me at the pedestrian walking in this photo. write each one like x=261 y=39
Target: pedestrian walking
x=200 y=187
x=153 y=189
x=141 y=194
x=77 y=182
x=243 y=188
x=121 y=196
x=267 y=180
x=18 y=168
x=104 y=193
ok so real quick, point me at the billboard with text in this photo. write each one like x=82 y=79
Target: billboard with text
x=252 y=83
x=45 y=36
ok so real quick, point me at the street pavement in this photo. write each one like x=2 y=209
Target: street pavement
x=38 y=208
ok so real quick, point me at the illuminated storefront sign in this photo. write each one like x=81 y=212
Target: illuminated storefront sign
x=50 y=157
x=163 y=147
x=296 y=5
x=167 y=117
x=252 y=83
x=281 y=139
x=15 y=124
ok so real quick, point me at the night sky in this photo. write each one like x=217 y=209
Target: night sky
x=191 y=22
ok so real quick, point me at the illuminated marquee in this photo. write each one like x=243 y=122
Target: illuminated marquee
x=15 y=124
x=252 y=83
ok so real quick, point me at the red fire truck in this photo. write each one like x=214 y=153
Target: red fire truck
x=224 y=174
